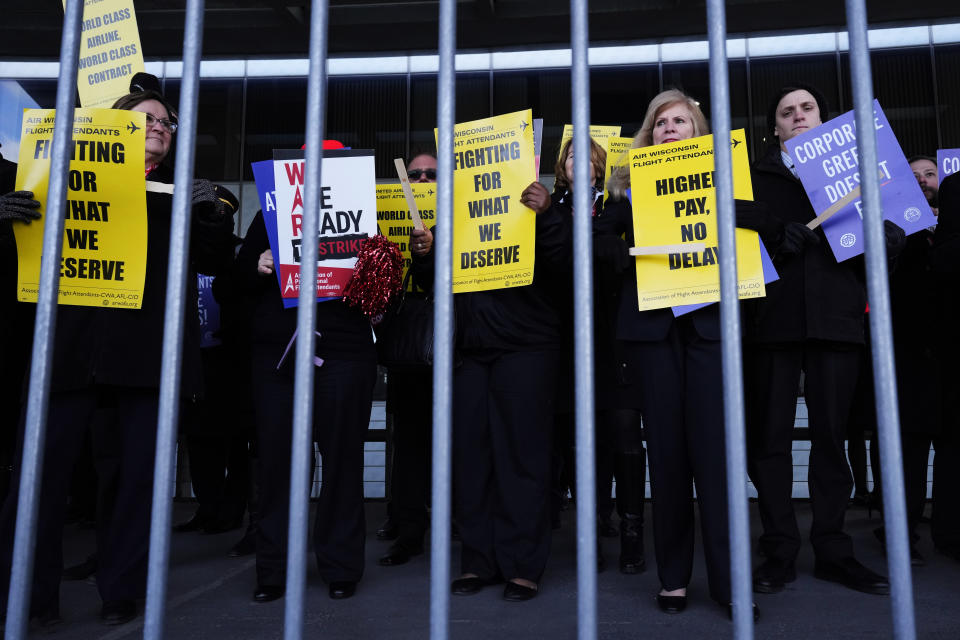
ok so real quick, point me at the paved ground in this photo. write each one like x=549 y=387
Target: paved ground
x=210 y=598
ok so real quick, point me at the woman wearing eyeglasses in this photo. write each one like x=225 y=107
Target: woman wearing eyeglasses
x=110 y=358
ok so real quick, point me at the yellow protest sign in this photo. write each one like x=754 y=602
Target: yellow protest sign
x=104 y=257
x=598 y=132
x=618 y=155
x=494 y=236
x=674 y=202
x=110 y=52
x=393 y=216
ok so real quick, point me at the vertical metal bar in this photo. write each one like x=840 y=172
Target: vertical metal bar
x=881 y=331
x=583 y=326
x=301 y=454
x=739 y=525
x=35 y=431
x=163 y=472
x=936 y=90
x=443 y=327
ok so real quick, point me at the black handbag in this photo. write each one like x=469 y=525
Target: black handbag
x=405 y=335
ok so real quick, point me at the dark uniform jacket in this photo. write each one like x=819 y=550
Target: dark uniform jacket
x=816 y=297
x=633 y=324
x=515 y=319
x=123 y=347
x=345 y=332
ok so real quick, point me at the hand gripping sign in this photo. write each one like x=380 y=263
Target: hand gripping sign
x=826 y=160
x=675 y=227
x=348 y=216
x=493 y=234
x=104 y=258
x=393 y=214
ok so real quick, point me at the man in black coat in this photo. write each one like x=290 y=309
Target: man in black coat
x=811 y=320
x=945 y=523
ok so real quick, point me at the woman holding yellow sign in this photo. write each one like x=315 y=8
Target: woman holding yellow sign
x=671 y=369
x=107 y=358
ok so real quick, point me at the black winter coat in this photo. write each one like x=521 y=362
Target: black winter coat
x=122 y=347
x=344 y=332
x=521 y=318
x=633 y=324
x=816 y=297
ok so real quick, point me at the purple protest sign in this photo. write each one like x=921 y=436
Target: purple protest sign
x=948 y=162
x=826 y=159
x=769 y=275
x=209 y=312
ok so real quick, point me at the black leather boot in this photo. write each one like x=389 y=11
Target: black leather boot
x=631 y=475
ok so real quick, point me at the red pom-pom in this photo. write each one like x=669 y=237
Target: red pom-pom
x=377 y=276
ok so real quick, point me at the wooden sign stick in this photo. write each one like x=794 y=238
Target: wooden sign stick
x=834 y=208
x=159 y=187
x=667 y=248
x=408 y=193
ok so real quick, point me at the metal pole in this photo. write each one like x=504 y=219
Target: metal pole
x=881 y=330
x=301 y=454
x=583 y=326
x=443 y=328
x=163 y=472
x=739 y=524
x=35 y=430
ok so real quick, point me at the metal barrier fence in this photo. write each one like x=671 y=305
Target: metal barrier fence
x=881 y=332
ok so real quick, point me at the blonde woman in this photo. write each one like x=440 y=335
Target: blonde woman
x=671 y=373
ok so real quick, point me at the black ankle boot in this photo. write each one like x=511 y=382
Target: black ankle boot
x=631 y=544
x=631 y=477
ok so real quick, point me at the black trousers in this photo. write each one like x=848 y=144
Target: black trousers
x=410 y=400
x=682 y=399
x=217 y=431
x=502 y=429
x=123 y=530
x=342 y=397
x=772 y=377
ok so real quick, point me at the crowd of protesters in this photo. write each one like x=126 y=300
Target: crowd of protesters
x=657 y=377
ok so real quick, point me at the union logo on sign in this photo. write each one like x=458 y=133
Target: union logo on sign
x=912 y=214
x=847 y=240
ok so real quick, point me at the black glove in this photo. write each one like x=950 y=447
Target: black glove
x=795 y=237
x=204 y=191
x=895 y=237
x=611 y=251
x=19 y=205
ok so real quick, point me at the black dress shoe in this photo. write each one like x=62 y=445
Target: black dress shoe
x=756 y=611
x=398 y=554
x=195 y=523
x=267 y=592
x=518 y=593
x=671 y=604
x=388 y=530
x=118 y=611
x=850 y=573
x=342 y=590
x=468 y=586
x=772 y=575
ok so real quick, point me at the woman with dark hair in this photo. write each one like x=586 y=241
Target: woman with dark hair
x=671 y=374
x=508 y=342
x=110 y=358
x=811 y=320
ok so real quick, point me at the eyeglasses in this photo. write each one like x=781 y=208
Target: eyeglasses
x=414 y=174
x=166 y=124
